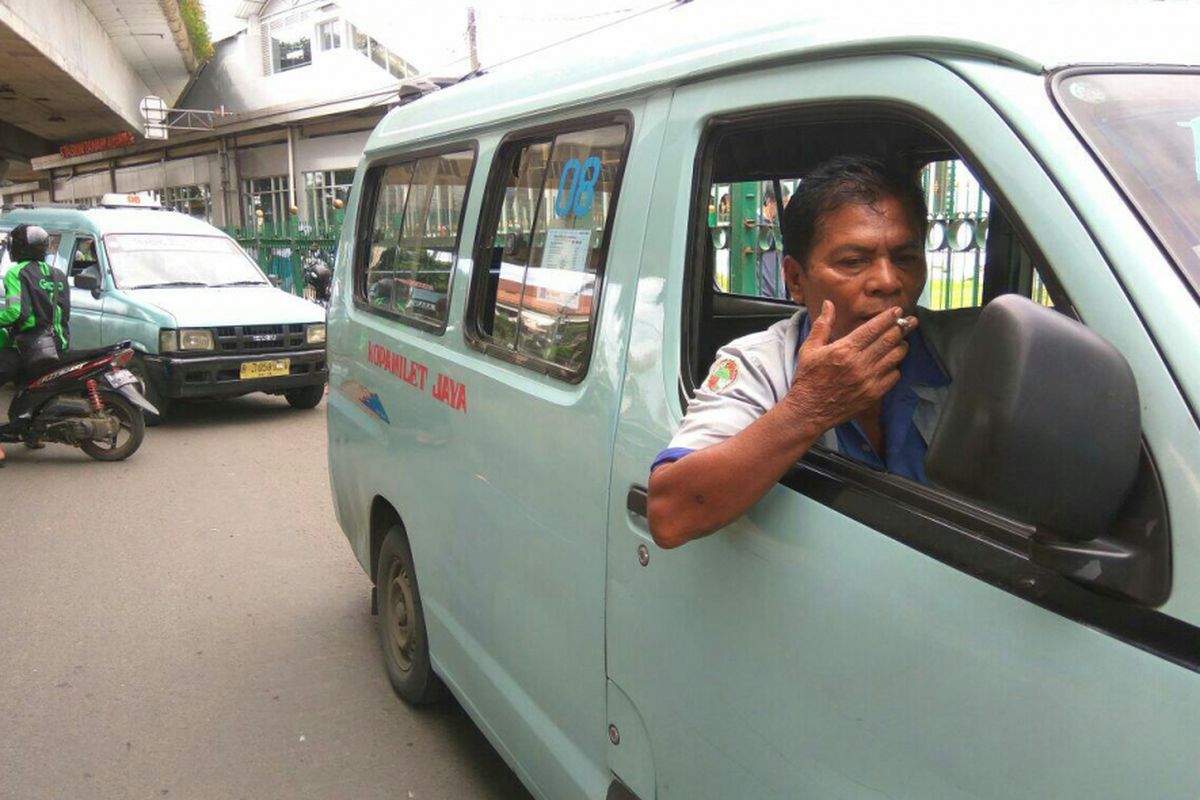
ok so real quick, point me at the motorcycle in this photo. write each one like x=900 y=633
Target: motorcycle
x=319 y=277
x=91 y=402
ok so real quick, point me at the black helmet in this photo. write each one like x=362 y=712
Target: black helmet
x=28 y=243
x=318 y=275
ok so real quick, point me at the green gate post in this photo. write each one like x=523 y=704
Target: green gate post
x=291 y=241
x=948 y=212
x=743 y=238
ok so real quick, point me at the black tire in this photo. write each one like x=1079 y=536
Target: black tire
x=133 y=430
x=402 y=624
x=163 y=404
x=305 y=397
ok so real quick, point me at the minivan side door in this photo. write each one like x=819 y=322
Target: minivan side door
x=86 y=307
x=492 y=417
x=807 y=649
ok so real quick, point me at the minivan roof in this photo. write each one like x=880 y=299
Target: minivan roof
x=109 y=220
x=687 y=41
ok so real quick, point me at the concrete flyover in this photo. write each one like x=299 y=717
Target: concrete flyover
x=73 y=70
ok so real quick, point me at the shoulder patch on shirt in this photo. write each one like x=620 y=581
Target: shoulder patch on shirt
x=723 y=374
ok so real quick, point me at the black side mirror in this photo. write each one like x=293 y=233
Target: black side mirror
x=89 y=278
x=1043 y=425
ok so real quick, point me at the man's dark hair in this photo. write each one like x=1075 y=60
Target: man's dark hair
x=837 y=182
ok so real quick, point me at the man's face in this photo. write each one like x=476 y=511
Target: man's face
x=865 y=260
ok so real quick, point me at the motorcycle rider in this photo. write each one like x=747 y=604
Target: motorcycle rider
x=318 y=275
x=36 y=298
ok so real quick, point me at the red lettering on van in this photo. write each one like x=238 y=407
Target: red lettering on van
x=451 y=392
x=411 y=372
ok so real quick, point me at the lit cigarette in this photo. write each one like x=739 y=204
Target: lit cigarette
x=904 y=322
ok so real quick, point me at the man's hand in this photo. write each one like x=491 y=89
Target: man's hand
x=837 y=380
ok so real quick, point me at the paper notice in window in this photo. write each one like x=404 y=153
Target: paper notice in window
x=566 y=249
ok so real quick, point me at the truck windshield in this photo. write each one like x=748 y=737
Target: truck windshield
x=144 y=261
x=1144 y=126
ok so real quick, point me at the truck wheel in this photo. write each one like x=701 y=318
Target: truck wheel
x=402 y=624
x=305 y=397
x=129 y=438
x=163 y=404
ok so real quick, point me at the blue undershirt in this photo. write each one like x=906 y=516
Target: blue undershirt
x=903 y=446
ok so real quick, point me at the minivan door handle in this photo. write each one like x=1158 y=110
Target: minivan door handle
x=637 y=500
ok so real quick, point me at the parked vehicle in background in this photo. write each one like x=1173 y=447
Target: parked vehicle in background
x=203 y=319
x=533 y=285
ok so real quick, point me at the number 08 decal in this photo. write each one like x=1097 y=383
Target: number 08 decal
x=577 y=187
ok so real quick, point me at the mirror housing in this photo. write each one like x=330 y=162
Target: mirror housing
x=1042 y=423
x=88 y=279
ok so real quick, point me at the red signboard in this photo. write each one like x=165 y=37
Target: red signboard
x=96 y=145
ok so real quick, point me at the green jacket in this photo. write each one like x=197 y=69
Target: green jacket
x=36 y=295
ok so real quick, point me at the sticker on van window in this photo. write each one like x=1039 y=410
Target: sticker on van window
x=723 y=375
x=566 y=249
x=577 y=187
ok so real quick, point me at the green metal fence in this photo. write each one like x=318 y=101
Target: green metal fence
x=282 y=250
x=746 y=240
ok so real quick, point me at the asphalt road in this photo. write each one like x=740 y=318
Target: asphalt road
x=191 y=623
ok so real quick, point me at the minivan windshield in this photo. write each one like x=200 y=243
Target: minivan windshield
x=145 y=261
x=1145 y=128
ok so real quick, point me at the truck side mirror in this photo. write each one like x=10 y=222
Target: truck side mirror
x=1043 y=423
x=89 y=279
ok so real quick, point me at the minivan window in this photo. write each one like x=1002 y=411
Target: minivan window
x=1145 y=129
x=545 y=247
x=413 y=237
x=145 y=261
x=84 y=256
x=747 y=242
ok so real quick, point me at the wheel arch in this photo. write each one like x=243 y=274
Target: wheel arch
x=383 y=516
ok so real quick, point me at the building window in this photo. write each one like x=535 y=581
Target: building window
x=384 y=58
x=195 y=201
x=270 y=196
x=329 y=34
x=288 y=43
x=321 y=190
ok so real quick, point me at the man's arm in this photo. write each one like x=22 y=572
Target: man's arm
x=706 y=490
x=63 y=300
x=11 y=310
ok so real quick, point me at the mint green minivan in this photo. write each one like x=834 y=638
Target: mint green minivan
x=542 y=262
x=203 y=318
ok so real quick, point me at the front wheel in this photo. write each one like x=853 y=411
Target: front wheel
x=305 y=397
x=402 y=624
x=129 y=436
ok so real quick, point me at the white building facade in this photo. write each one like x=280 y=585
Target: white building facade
x=302 y=86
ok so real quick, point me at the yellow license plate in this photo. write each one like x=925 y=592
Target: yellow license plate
x=266 y=369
